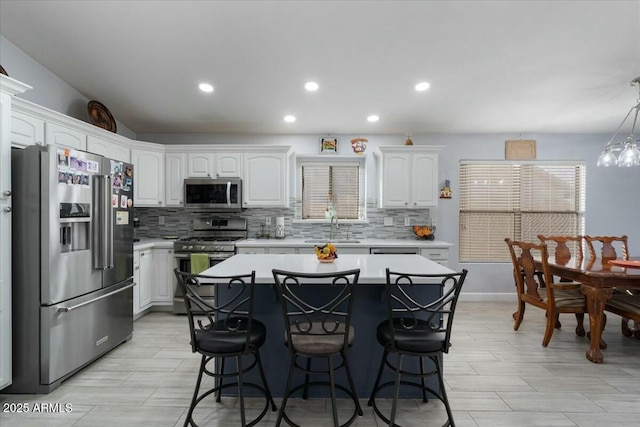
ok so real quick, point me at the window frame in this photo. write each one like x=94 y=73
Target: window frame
x=328 y=161
x=516 y=217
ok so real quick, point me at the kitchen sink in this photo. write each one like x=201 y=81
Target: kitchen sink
x=324 y=241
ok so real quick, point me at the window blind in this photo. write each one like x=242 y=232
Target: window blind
x=519 y=201
x=325 y=183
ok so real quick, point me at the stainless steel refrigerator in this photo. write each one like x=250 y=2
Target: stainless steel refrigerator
x=72 y=243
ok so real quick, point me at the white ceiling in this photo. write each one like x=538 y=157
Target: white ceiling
x=494 y=67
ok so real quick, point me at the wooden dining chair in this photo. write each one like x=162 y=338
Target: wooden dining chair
x=554 y=298
x=563 y=248
x=624 y=302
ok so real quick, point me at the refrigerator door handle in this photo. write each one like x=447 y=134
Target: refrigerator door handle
x=82 y=304
x=103 y=223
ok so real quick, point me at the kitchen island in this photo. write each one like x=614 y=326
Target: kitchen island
x=369 y=305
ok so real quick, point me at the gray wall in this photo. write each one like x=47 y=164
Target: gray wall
x=48 y=89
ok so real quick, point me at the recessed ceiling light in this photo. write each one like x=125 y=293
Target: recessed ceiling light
x=205 y=87
x=422 y=86
x=373 y=118
x=289 y=119
x=311 y=86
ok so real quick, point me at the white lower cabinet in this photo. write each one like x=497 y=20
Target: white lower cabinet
x=251 y=250
x=144 y=276
x=439 y=255
x=163 y=266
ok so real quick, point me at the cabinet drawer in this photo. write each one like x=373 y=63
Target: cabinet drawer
x=435 y=254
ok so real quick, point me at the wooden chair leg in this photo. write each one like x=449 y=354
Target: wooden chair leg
x=551 y=324
x=580 y=327
x=518 y=315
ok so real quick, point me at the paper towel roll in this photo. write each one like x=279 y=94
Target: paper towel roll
x=279 y=221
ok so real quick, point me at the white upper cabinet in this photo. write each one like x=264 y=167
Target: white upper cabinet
x=201 y=165
x=110 y=149
x=148 y=182
x=175 y=175
x=228 y=165
x=408 y=176
x=26 y=129
x=266 y=177
x=65 y=136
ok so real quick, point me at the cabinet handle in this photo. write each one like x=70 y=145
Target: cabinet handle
x=137 y=267
x=7 y=193
x=415 y=203
x=142 y=254
x=7 y=209
x=160 y=202
x=405 y=203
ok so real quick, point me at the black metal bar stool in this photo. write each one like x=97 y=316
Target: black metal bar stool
x=222 y=329
x=417 y=326
x=317 y=316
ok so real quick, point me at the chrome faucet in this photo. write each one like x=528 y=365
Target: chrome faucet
x=333 y=220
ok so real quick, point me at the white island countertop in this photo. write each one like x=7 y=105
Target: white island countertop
x=372 y=267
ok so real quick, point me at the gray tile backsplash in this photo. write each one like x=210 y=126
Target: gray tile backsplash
x=179 y=222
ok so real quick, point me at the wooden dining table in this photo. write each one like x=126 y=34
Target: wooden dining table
x=598 y=280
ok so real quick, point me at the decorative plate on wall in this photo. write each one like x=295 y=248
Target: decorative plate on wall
x=100 y=116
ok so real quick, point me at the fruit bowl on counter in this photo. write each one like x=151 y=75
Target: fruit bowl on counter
x=424 y=232
x=325 y=253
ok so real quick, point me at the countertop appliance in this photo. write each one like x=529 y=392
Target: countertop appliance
x=214 y=237
x=213 y=194
x=72 y=246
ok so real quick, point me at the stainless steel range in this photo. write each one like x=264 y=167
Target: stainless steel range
x=215 y=237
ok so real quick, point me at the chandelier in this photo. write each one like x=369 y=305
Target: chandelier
x=629 y=152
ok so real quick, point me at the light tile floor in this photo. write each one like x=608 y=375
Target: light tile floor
x=495 y=377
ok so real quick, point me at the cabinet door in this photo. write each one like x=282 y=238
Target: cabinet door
x=163 y=266
x=251 y=250
x=200 y=165
x=26 y=130
x=396 y=182
x=424 y=181
x=439 y=255
x=148 y=182
x=65 y=136
x=108 y=149
x=228 y=165
x=175 y=174
x=265 y=180
x=147 y=279
x=136 y=280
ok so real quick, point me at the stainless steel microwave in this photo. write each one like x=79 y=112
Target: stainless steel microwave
x=215 y=194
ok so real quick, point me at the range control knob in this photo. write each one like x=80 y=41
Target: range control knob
x=202 y=247
x=184 y=247
x=190 y=247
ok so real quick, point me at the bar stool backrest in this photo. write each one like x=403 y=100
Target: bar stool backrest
x=412 y=309
x=234 y=315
